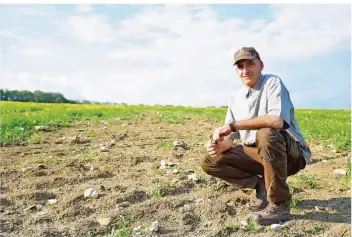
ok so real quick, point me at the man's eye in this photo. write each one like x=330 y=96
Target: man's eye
x=240 y=67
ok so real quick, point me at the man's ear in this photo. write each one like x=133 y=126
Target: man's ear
x=262 y=65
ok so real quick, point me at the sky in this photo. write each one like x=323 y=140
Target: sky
x=175 y=54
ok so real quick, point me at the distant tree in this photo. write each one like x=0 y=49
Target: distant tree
x=37 y=96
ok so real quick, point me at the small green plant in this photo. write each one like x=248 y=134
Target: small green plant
x=252 y=226
x=306 y=180
x=163 y=188
x=157 y=193
x=315 y=229
x=90 y=234
x=121 y=228
x=233 y=225
x=348 y=168
x=294 y=204
x=36 y=138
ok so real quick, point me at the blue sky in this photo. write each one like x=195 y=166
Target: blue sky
x=175 y=54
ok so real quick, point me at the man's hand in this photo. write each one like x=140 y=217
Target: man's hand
x=221 y=132
x=216 y=148
x=213 y=148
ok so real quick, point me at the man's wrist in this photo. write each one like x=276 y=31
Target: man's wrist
x=232 y=126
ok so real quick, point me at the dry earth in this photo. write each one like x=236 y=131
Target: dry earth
x=53 y=165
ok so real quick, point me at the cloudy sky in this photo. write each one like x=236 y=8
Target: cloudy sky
x=175 y=54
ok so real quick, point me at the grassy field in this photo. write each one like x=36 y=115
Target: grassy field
x=325 y=127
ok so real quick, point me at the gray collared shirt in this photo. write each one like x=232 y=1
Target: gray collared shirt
x=268 y=96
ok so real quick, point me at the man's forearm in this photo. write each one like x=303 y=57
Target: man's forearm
x=265 y=121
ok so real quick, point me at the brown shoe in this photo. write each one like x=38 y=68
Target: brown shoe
x=273 y=213
x=260 y=202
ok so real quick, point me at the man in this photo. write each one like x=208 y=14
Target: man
x=262 y=115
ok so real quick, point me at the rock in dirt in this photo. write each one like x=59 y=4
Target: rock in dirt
x=41 y=166
x=244 y=225
x=137 y=229
x=155 y=226
x=42 y=128
x=179 y=155
x=340 y=171
x=112 y=143
x=104 y=221
x=78 y=139
x=26 y=169
x=162 y=164
x=91 y=193
x=123 y=204
x=103 y=149
x=175 y=171
x=122 y=136
x=43 y=216
x=52 y=201
x=193 y=177
x=93 y=167
x=187 y=208
x=324 y=161
x=180 y=144
x=277 y=227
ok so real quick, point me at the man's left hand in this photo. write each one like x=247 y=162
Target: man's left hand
x=221 y=132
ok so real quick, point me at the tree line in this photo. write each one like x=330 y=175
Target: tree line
x=36 y=96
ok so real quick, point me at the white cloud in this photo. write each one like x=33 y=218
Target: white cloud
x=85 y=8
x=177 y=54
x=91 y=28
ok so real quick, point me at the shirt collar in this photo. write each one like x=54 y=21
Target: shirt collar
x=249 y=91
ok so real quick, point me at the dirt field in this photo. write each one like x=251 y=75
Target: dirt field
x=134 y=191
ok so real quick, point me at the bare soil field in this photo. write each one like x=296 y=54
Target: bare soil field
x=121 y=160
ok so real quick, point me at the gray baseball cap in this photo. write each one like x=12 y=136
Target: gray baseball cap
x=246 y=53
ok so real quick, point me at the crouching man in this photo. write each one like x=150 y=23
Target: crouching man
x=261 y=114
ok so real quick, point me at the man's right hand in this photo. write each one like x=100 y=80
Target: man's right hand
x=213 y=148
x=216 y=148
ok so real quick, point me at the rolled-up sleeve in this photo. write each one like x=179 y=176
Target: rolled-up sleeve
x=279 y=102
x=231 y=119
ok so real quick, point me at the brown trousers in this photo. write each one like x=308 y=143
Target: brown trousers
x=275 y=156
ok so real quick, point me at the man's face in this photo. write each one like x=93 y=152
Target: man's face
x=249 y=71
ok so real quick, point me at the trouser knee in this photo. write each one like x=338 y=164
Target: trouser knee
x=205 y=164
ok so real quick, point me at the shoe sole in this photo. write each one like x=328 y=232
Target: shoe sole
x=281 y=218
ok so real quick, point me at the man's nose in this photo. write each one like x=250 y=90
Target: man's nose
x=245 y=69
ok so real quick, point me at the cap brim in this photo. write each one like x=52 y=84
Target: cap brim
x=242 y=58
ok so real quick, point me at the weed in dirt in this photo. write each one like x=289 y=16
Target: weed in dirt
x=233 y=225
x=163 y=188
x=157 y=193
x=315 y=229
x=166 y=145
x=36 y=138
x=294 y=204
x=90 y=234
x=252 y=227
x=121 y=228
x=305 y=180
x=348 y=168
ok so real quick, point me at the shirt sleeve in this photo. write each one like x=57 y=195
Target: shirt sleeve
x=279 y=102
x=231 y=119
